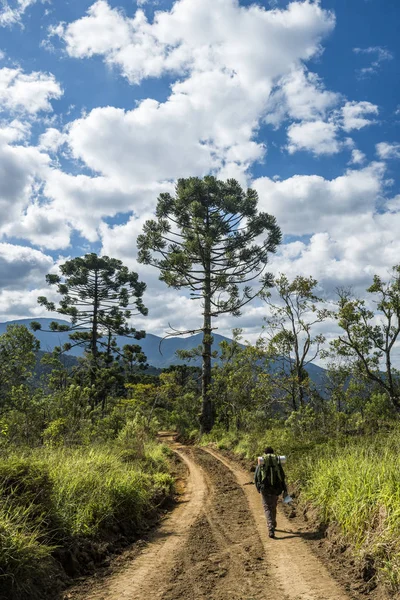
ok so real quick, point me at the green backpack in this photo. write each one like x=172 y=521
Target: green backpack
x=270 y=477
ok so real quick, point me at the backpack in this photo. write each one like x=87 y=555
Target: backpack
x=270 y=475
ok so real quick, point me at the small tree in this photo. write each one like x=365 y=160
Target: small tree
x=98 y=296
x=369 y=337
x=241 y=384
x=292 y=342
x=205 y=240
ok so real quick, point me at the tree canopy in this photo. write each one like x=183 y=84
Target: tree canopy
x=211 y=239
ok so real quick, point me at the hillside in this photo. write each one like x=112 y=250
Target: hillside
x=160 y=353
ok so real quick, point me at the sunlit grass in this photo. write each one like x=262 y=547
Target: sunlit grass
x=55 y=497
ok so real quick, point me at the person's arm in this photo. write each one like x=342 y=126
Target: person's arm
x=256 y=482
x=283 y=479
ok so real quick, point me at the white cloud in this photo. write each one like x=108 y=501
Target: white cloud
x=201 y=36
x=42 y=225
x=52 y=139
x=12 y=11
x=318 y=137
x=300 y=95
x=378 y=55
x=356 y=115
x=21 y=166
x=306 y=204
x=84 y=200
x=29 y=93
x=21 y=266
x=229 y=57
x=386 y=150
x=357 y=157
x=350 y=256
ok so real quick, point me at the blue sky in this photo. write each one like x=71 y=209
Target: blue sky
x=105 y=103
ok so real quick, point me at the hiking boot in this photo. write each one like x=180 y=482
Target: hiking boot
x=272 y=533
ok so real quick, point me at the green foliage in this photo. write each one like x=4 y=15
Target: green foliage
x=358 y=489
x=56 y=497
x=241 y=385
x=205 y=239
x=291 y=340
x=368 y=338
x=17 y=359
x=98 y=296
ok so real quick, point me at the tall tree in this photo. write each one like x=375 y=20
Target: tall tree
x=290 y=327
x=205 y=239
x=369 y=337
x=99 y=296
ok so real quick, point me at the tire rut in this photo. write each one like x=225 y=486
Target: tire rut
x=214 y=546
x=298 y=573
x=224 y=557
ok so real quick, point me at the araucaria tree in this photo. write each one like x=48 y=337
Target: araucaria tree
x=99 y=296
x=206 y=239
x=369 y=337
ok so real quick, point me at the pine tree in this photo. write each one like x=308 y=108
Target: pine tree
x=206 y=239
x=99 y=296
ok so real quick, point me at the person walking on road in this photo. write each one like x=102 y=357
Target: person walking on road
x=269 y=479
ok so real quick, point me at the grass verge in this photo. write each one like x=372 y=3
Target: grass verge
x=56 y=502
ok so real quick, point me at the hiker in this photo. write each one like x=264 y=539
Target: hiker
x=269 y=479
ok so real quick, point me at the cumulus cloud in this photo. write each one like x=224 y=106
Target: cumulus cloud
x=387 y=150
x=21 y=166
x=229 y=57
x=348 y=257
x=357 y=157
x=318 y=137
x=52 y=139
x=300 y=95
x=322 y=136
x=200 y=36
x=21 y=266
x=28 y=93
x=42 y=225
x=356 y=115
x=305 y=204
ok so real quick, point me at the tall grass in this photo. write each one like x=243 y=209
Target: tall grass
x=58 y=498
x=353 y=483
x=358 y=489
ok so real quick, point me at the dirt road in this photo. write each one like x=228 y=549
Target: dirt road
x=214 y=546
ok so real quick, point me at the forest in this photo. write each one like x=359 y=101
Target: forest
x=81 y=470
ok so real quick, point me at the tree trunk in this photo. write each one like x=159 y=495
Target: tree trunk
x=207 y=413
x=93 y=343
x=95 y=323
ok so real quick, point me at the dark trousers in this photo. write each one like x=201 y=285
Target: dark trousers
x=270 y=502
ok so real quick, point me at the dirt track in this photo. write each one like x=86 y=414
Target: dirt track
x=214 y=546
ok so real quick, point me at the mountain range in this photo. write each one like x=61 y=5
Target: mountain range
x=160 y=353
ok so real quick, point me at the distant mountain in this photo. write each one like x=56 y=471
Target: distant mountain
x=160 y=353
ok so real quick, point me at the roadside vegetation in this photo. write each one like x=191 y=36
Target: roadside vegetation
x=80 y=471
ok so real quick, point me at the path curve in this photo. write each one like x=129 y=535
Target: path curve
x=145 y=576
x=214 y=546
